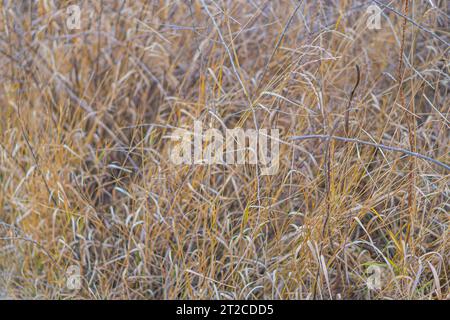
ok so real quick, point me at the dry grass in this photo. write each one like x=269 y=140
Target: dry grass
x=85 y=178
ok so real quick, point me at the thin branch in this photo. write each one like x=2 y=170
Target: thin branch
x=347 y=112
x=376 y=145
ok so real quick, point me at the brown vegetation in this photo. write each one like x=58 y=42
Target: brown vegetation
x=85 y=179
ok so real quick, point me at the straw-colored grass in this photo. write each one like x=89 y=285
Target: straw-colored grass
x=85 y=178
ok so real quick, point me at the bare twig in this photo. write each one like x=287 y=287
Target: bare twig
x=376 y=145
x=347 y=112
